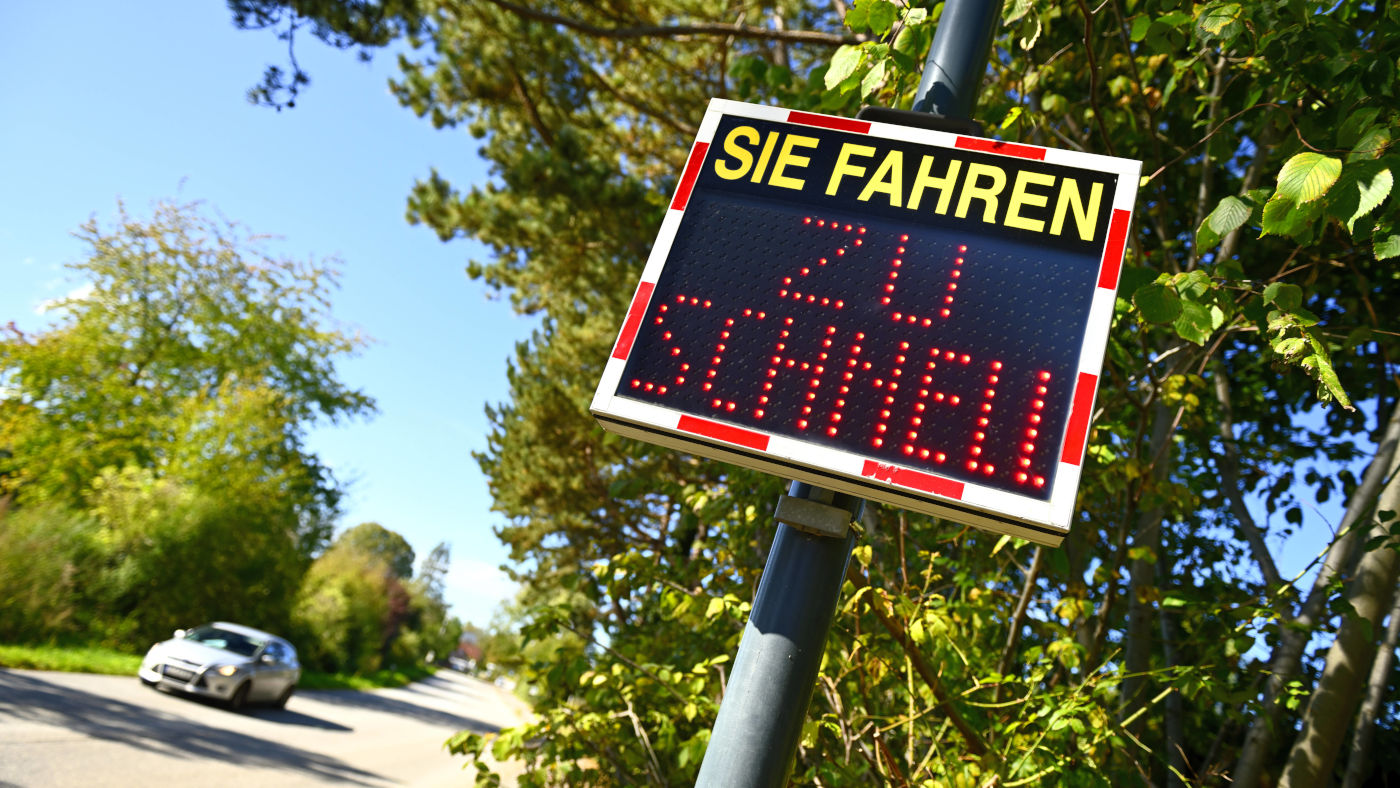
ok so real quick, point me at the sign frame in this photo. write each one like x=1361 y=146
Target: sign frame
x=1041 y=520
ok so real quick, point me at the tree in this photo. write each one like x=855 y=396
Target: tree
x=1251 y=323
x=166 y=406
x=388 y=546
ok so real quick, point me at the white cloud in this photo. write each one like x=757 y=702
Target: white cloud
x=76 y=294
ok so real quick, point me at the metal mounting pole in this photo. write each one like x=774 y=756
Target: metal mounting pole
x=760 y=720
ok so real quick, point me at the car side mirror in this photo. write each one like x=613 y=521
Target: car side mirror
x=267 y=659
x=179 y=633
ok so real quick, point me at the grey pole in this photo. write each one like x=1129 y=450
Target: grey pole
x=760 y=720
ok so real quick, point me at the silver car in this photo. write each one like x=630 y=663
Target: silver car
x=227 y=662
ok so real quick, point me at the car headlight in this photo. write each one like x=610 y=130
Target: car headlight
x=227 y=670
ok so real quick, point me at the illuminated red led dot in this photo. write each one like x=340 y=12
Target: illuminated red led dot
x=903 y=238
x=1041 y=389
x=958 y=261
x=762 y=315
x=707 y=304
x=836 y=416
x=1028 y=447
x=729 y=322
x=878 y=442
x=859 y=242
x=772 y=373
x=962 y=248
x=806 y=271
x=1038 y=404
x=715 y=360
x=729 y=406
x=880 y=428
x=894 y=274
x=1025 y=462
x=715 y=403
x=849 y=228
x=806 y=220
x=916 y=421
x=840 y=252
x=940 y=457
x=831 y=329
x=866 y=365
x=923 y=454
x=787 y=280
x=981 y=436
x=707 y=386
x=649 y=386
x=898 y=316
x=861 y=231
x=666 y=335
x=938 y=396
x=889 y=288
x=680 y=380
x=950 y=355
x=831 y=431
x=811 y=299
x=921 y=406
x=1035 y=418
x=659 y=321
x=955 y=399
x=797 y=296
x=1045 y=376
x=908 y=449
x=826 y=301
x=763 y=400
x=900 y=250
x=982 y=422
x=821 y=222
x=1022 y=477
x=928 y=322
x=993 y=378
x=802 y=424
x=947 y=299
x=694 y=301
x=1032 y=433
x=758 y=413
x=976 y=451
x=957 y=274
x=928 y=379
x=972 y=465
x=1040 y=481
x=883 y=301
x=897 y=263
x=821 y=261
x=840 y=304
x=989 y=469
x=912 y=319
x=661 y=390
x=685 y=368
x=966 y=358
x=996 y=365
x=986 y=407
x=719 y=347
x=860 y=335
x=952 y=285
x=913 y=435
x=748 y=313
x=991 y=393
x=636 y=384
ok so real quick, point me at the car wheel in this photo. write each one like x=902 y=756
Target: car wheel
x=281 y=702
x=146 y=682
x=239 y=699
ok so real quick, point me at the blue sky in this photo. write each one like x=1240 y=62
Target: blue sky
x=103 y=101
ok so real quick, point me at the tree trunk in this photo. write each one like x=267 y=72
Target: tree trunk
x=1334 y=702
x=1364 y=731
x=1286 y=659
x=1138 y=639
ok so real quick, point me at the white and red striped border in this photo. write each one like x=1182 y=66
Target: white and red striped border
x=1055 y=513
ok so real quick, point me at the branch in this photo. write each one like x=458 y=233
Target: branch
x=1013 y=636
x=925 y=671
x=1229 y=465
x=720 y=29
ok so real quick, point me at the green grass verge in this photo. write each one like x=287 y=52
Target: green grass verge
x=99 y=659
x=72 y=659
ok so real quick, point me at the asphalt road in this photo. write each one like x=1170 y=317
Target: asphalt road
x=77 y=729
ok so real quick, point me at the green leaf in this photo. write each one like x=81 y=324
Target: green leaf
x=1289 y=346
x=715 y=607
x=1283 y=295
x=843 y=64
x=1364 y=185
x=1015 y=10
x=1322 y=365
x=1227 y=216
x=1140 y=25
x=1158 y=303
x=1221 y=20
x=1308 y=176
x=1356 y=124
x=1388 y=247
x=881 y=16
x=857 y=19
x=872 y=79
x=1194 y=322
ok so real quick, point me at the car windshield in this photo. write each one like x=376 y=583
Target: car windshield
x=226 y=640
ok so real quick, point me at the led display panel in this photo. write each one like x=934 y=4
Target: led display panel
x=908 y=315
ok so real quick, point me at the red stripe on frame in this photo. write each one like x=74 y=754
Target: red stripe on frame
x=917 y=480
x=724 y=432
x=829 y=122
x=692 y=171
x=1113 y=250
x=623 y=348
x=1004 y=148
x=1078 y=430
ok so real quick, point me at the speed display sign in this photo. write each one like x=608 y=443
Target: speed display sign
x=911 y=316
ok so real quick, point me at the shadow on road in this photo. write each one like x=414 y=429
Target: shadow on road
x=433 y=687
x=32 y=698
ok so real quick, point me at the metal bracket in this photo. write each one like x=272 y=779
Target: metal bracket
x=814 y=516
x=922 y=120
